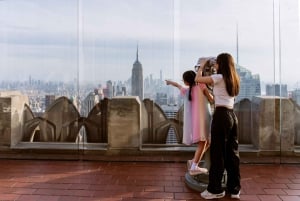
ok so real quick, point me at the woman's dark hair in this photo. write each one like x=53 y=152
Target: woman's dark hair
x=230 y=76
x=189 y=77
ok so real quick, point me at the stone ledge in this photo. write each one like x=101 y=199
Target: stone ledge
x=60 y=146
x=149 y=152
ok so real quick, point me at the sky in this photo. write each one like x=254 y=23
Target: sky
x=97 y=40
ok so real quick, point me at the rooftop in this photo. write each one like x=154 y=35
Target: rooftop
x=107 y=180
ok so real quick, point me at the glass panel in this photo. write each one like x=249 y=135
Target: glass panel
x=39 y=58
x=67 y=56
x=119 y=36
x=287 y=82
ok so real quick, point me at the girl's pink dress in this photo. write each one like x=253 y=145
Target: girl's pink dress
x=197 y=116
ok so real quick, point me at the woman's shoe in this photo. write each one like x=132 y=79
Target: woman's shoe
x=236 y=196
x=209 y=196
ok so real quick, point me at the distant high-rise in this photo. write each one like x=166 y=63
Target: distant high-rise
x=49 y=99
x=161 y=99
x=274 y=90
x=250 y=84
x=108 y=91
x=137 y=84
x=296 y=96
x=88 y=103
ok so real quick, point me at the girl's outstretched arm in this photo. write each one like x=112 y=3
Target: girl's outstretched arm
x=175 y=84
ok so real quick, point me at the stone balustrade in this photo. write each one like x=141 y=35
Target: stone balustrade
x=124 y=124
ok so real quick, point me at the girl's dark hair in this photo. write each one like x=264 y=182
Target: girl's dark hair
x=230 y=76
x=189 y=77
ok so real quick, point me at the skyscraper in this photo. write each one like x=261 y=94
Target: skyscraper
x=137 y=84
x=274 y=90
x=250 y=84
x=49 y=99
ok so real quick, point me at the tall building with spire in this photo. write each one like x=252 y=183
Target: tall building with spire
x=137 y=84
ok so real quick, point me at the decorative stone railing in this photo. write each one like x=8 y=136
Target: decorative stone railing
x=120 y=124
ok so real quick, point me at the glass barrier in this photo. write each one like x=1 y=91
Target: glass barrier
x=70 y=58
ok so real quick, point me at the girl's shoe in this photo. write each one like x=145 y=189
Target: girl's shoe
x=198 y=170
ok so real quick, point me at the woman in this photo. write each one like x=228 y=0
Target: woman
x=224 y=129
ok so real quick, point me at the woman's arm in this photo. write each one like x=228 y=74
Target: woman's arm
x=203 y=79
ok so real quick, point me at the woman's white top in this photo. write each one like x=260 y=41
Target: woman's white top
x=221 y=96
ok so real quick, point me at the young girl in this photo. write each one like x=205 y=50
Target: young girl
x=196 y=118
x=224 y=129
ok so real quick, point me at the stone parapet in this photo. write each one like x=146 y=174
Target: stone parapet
x=269 y=126
x=273 y=123
x=124 y=123
x=11 y=110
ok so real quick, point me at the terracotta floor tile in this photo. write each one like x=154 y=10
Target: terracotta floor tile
x=34 y=180
x=290 y=198
x=274 y=191
x=269 y=198
x=292 y=192
x=7 y=196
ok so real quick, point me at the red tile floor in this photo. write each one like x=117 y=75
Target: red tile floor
x=49 y=180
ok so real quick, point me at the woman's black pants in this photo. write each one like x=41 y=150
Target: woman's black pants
x=224 y=152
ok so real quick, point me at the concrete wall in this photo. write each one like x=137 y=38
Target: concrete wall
x=124 y=123
x=11 y=110
x=243 y=112
x=273 y=123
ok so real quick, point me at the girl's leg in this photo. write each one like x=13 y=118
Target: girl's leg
x=195 y=169
x=201 y=149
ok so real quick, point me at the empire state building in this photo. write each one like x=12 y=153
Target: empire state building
x=137 y=84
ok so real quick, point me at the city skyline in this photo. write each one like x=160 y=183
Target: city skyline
x=66 y=40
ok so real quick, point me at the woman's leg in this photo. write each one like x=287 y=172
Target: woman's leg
x=232 y=162
x=217 y=150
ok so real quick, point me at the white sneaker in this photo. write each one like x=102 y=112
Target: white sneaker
x=208 y=196
x=198 y=170
x=236 y=196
